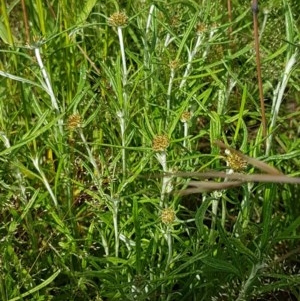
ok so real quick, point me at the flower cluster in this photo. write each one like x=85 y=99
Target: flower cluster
x=201 y=28
x=160 y=143
x=118 y=19
x=185 y=116
x=174 y=64
x=168 y=216
x=235 y=161
x=74 y=121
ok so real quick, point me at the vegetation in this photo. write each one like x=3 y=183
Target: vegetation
x=100 y=102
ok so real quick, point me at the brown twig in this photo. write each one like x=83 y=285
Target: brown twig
x=229 y=18
x=258 y=66
x=259 y=178
x=26 y=25
x=207 y=186
x=236 y=179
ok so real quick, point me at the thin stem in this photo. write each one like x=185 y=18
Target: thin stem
x=258 y=67
x=246 y=285
x=147 y=66
x=185 y=133
x=214 y=211
x=171 y=80
x=120 y=35
x=191 y=55
x=151 y=11
x=266 y=14
x=229 y=10
x=211 y=34
x=46 y=77
x=26 y=24
x=122 y=126
x=123 y=113
x=166 y=181
x=91 y=157
x=170 y=246
x=278 y=96
x=44 y=179
x=115 y=203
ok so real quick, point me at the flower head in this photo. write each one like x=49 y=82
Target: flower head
x=160 y=143
x=174 y=64
x=74 y=121
x=118 y=19
x=235 y=161
x=201 y=28
x=168 y=216
x=185 y=116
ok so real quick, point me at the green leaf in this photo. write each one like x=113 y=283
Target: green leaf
x=85 y=12
x=38 y=287
x=221 y=265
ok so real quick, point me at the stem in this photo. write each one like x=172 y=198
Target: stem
x=172 y=75
x=266 y=14
x=278 y=97
x=258 y=67
x=229 y=10
x=190 y=59
x=120 y=35
x=49 y=89
x=185 y=133
x=122 y=126
x=211 y=34
x=115 y=204
x=215 y=204
x=123 y=113
x=246 y=285
x=152 y=7
x=26 y=23
x=91 y=157
x=170 y=246
x=147 y=66
x=166 y=184
x=44 y=179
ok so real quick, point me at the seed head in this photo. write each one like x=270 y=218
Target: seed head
x=201 y=28
x=185 y=116
x=74 y=121
x=160 y=143
x=174 y=64
x=168 y=216
x=175 y=20
x=118 y=19
x=234 y=161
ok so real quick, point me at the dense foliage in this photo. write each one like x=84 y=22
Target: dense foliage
x=99 y=99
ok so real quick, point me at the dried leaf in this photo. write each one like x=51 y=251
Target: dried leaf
x=207 y=186
x=264 y=178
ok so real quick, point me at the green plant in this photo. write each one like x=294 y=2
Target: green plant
x=101 y=103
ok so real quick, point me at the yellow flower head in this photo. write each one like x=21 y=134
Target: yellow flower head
x=118 y=19
x=201 y=28
x=174 y=64
x=74 y=121
x=185 y=116
x=168 y=216
x=160 y=143
x=235 y=161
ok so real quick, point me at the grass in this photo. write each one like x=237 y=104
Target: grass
x=98 y=99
